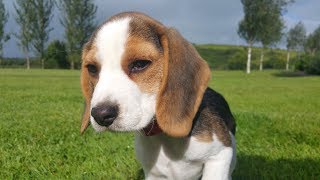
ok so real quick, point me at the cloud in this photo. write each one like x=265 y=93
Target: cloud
x=199 y=21
x=305 y=11
x=204 y=21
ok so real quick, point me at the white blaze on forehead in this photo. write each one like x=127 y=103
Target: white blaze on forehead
x=110 y=42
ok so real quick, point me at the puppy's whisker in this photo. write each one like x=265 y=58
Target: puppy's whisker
x=152 y=121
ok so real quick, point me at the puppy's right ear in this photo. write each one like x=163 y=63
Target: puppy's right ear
x=86 y=91
x=85 y=119
x=87 y=86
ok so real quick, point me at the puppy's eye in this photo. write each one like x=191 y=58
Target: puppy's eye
x=92 y=69
x=138 y=65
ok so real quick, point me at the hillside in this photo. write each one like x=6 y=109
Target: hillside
x=226 y=56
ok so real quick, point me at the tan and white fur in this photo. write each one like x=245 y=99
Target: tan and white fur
x=138 y=73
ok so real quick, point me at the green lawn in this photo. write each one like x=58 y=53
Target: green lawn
x=278 y=130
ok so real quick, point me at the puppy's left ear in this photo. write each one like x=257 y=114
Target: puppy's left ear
x=185 y=79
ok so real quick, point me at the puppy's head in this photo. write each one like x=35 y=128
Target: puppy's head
x=134 y=69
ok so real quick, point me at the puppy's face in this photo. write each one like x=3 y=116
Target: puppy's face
x=124 y=64
x=126 y=75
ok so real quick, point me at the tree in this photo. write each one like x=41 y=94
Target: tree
x=273 y=24
x=258 y=16
x=248 y=29
x=56 y=54
x=24 y=17
x=3 y=20
x=42 y=10
x=312 y=44
x=296 y=37
x=78 y=21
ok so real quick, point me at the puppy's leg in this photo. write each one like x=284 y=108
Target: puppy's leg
x=221 y=165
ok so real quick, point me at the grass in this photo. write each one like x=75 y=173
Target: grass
x=278 y=128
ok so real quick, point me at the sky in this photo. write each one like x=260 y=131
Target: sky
x=201 y=22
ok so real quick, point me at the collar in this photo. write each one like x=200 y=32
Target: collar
x=152 y=129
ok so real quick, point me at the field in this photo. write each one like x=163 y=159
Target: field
x=278 y=130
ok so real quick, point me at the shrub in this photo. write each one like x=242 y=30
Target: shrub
x=274 y=60
x=12 y=62
x=300 y=64
x=51 y=64
x=313 y=65
x=56 y=56
x=237 y=61
x=308 y=64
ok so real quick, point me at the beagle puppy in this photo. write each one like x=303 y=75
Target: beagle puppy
x=139 y=75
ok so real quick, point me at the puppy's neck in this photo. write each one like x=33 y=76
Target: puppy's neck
x=152 y=129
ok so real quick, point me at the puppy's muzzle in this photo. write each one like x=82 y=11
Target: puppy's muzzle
x=105 y=114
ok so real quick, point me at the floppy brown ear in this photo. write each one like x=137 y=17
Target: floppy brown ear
x=185 y=78
x=87 y=90
x=87 y=94
x=86 y=86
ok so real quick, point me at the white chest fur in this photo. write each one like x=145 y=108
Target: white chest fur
x=164 y=157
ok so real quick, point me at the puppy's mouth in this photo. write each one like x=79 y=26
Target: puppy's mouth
x=150 y=129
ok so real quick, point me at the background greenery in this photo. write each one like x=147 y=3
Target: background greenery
x=277 y=115
x=223 y=57
x=220 y=57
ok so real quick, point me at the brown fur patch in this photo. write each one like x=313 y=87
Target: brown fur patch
x=149 y=79
x=213 y=117
x=213 y=124
x=144 y=44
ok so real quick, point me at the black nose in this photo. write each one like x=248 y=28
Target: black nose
x=105 y=114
